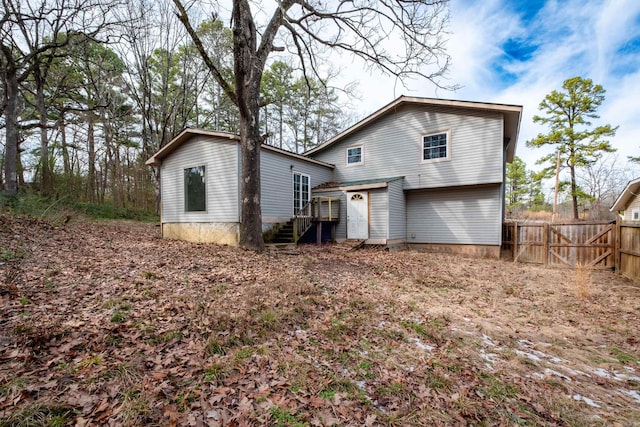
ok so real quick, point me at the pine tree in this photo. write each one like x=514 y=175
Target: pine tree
x=567 y=114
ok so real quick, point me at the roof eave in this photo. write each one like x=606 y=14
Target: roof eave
x=621 y=202
x=507 y=109
x=156 y=159
x=296 y=156
x=186 y=134
x=512 y=121
x=357 y=126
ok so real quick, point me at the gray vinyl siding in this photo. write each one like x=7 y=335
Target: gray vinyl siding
x=378 y=214
x=392 y=146
x=455 y=216
x=397 y=211
x=219 y=156
x=276 y=174
x=633 y=204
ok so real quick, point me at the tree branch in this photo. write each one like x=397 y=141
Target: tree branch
x=184 y=18
x=363 y=29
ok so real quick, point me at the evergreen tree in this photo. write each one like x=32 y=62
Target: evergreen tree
x=523 y=189
x=567 y=114
x=516 y=185
x=535 y=198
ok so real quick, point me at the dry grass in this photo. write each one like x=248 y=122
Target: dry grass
x=582 y=281
x=311 y=337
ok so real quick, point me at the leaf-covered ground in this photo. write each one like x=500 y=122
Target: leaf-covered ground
x=104 y=323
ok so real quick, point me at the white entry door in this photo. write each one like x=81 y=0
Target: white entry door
x=357 y=215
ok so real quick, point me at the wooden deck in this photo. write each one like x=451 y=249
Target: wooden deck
x=321 y=211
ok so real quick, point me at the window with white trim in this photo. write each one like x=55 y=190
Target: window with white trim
x=195 y=194
x=635 y=214
x=355 y=155
x=301 y=191
x=436 y=146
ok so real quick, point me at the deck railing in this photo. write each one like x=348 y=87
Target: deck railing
x=319 y=208
x=326 y=208
x=302 y=220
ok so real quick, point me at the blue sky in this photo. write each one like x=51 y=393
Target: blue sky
x=516 y=52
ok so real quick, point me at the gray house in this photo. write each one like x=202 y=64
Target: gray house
x=628 y=202
x=425 y=172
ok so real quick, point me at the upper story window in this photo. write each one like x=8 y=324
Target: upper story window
x=355 y=155
x=195 y=196
x=436 y=146
x=635 y=214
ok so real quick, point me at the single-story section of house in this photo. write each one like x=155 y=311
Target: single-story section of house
x=200 y=176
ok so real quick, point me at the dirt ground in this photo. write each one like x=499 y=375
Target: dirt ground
x=104 y=323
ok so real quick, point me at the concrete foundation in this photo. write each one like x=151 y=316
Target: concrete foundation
x=481 y=251
x=225 y=233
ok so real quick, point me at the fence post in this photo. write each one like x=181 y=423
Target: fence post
x=617 y=245
x=515 y=241
x=545 y=243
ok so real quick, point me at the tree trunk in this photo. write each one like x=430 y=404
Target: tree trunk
x=574 y=193
x=11 y=125
x=66 y=162
x=91 y=151
x=20 y=168
x=112 y=175
x=248 y=74
x=46 y=176
x=102 y=183
x=156 y=183
x=281 y=122
x=306 y=133
x=251 y=218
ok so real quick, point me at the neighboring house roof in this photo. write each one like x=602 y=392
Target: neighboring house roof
x=186 y=134
x=512 y=115
x=632 y=189
x=362 y=184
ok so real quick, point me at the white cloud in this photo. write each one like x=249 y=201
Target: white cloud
x=572 y=38
x=478 y=32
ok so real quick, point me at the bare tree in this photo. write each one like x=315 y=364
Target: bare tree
x=31 y=35
x=403 y=38
x=153 y=55
x=602 y=181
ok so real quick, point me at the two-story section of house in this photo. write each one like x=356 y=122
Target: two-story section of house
x=426 y=172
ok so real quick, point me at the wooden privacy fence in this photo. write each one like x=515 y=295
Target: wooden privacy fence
x=595 y=244
x=627 y=256
x=561 y=244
